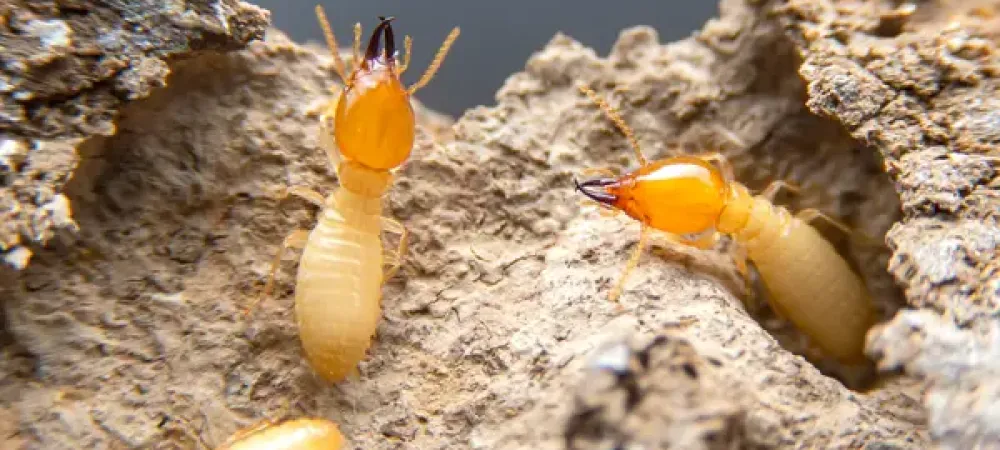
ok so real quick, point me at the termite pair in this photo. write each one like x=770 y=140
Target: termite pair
x=342 y=267
x=693 y=199
x=371 y=125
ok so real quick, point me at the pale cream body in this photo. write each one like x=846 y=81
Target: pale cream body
x=299 y=434
x=339 y=283
x=809 y=283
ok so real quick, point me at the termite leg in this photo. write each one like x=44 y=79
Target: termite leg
x=327 y=141
x=632 y=263
x=707 y=240
x=722 y=163
x=740 y=258
x=738 y=253
x=703 y=241
x=304 y=193
x=771 y=191
x=811 y=214
x=395 y=260
x=297 y=239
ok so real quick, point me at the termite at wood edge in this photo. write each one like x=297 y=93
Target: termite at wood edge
x=371 y=125
x=692 y=199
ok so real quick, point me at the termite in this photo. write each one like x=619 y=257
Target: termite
x=695 y=198
x=338 y=288
x=297 y=434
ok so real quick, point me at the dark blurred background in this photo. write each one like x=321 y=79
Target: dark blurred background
x=497 y=37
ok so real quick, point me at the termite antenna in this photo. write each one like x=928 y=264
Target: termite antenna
x=616 y=118
x=436 y=63
x=408 y=48
x=331 y=41
x=357 y=46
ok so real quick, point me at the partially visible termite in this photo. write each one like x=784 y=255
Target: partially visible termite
x=693 y=200
x=297 y=434
x=338 y=289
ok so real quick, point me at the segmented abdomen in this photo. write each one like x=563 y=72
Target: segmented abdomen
x=809 y=283
x=338 y=292
x=299 y=434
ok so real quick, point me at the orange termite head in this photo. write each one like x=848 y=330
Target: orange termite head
x=374 y=122
x=680 y=195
